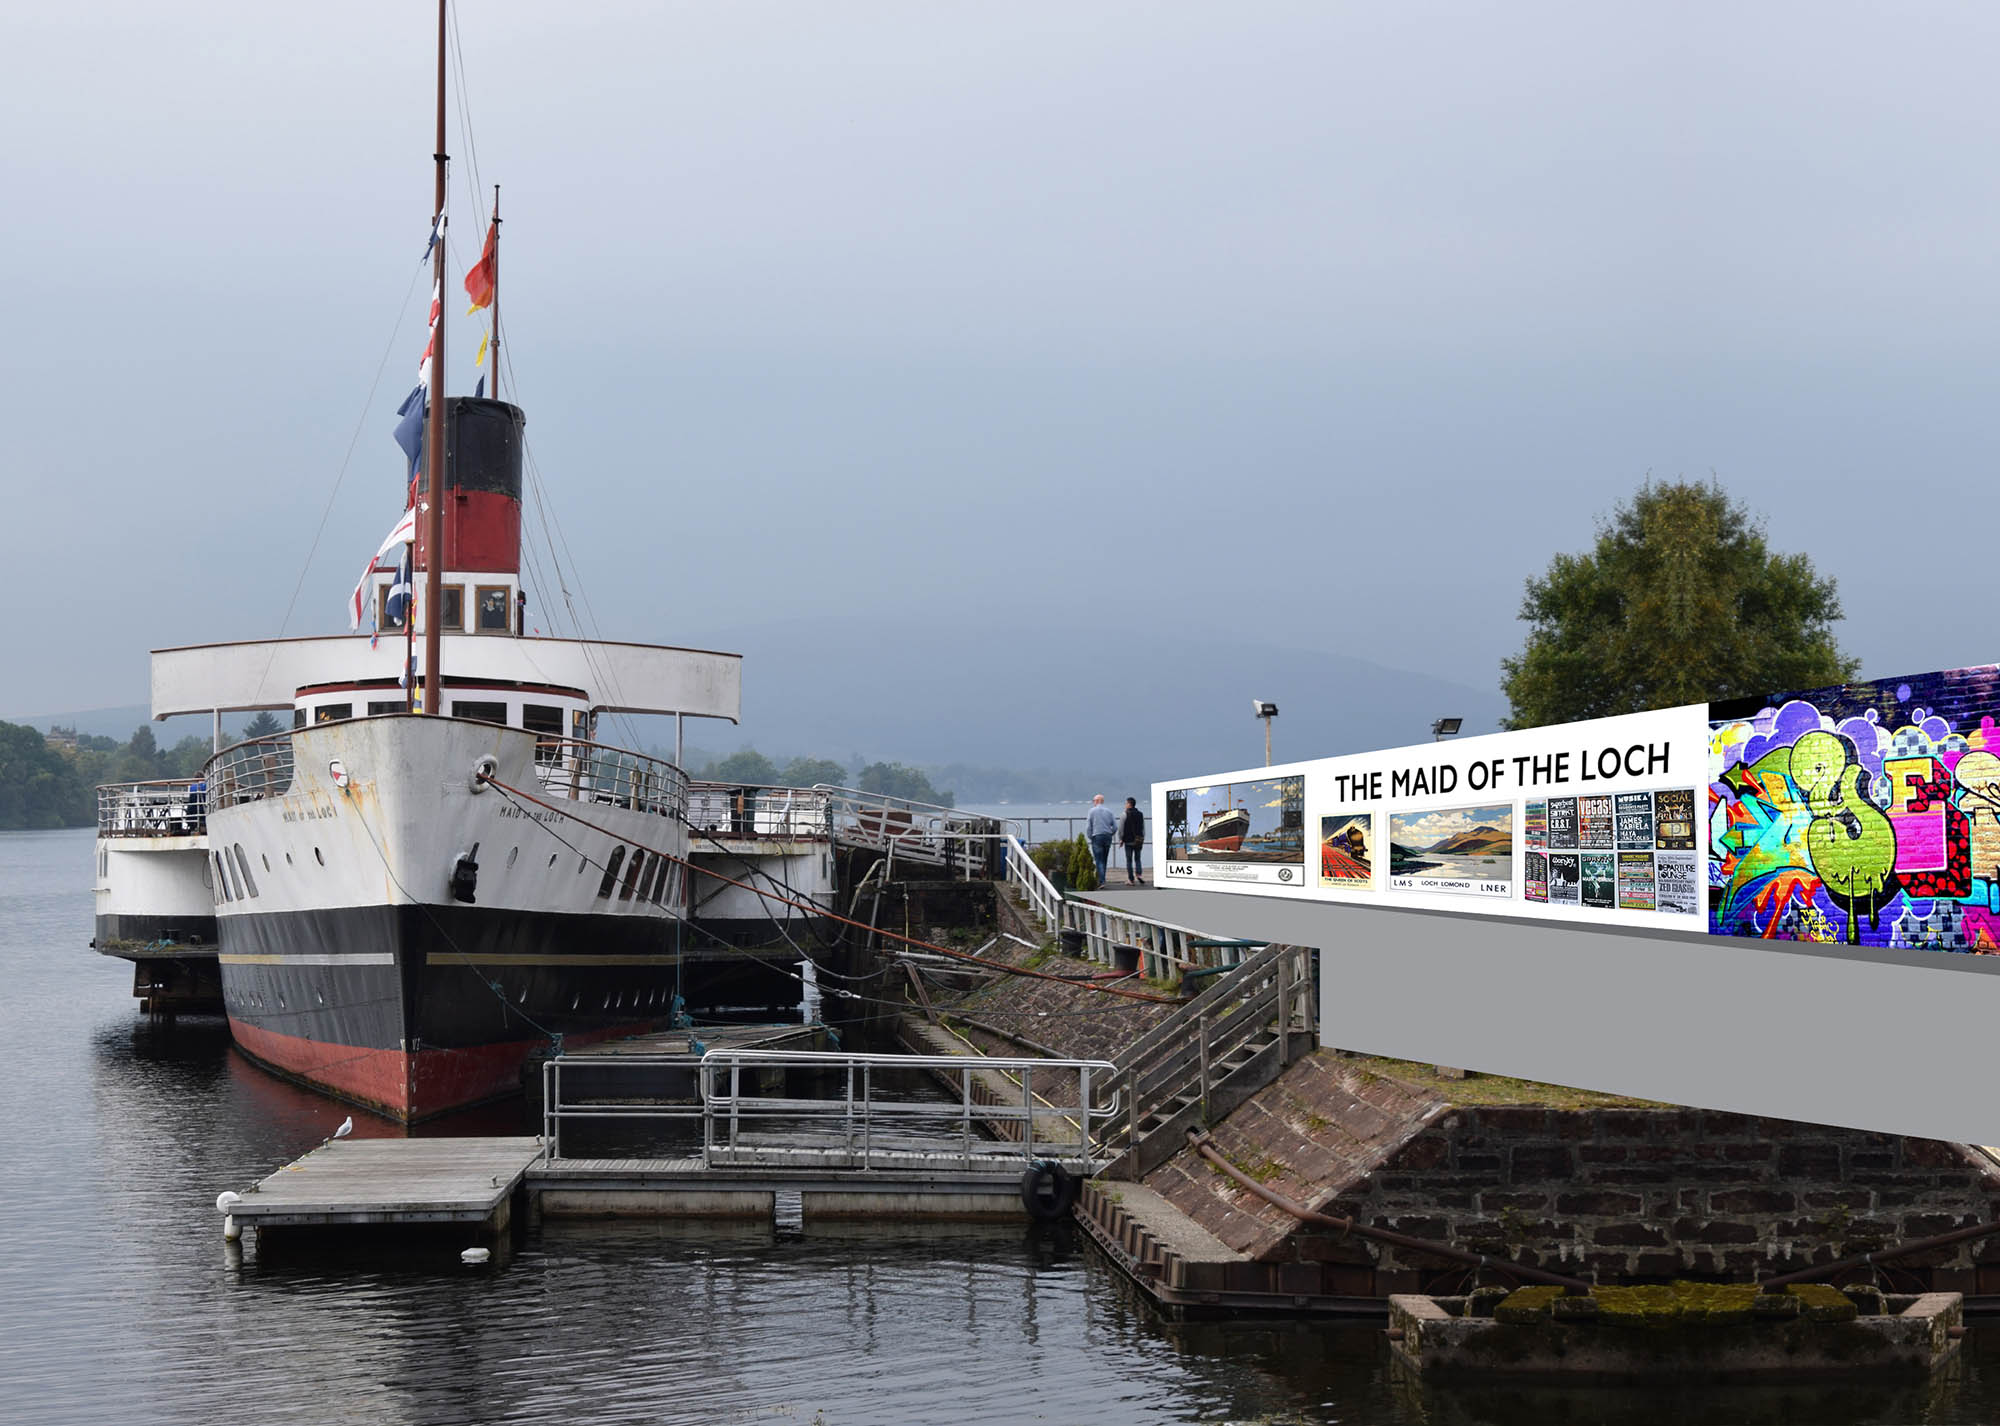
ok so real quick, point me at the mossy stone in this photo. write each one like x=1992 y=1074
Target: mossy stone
x=1527 y=1305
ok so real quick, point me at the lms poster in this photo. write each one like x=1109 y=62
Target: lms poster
x=1464 y=850
x=1241 y=831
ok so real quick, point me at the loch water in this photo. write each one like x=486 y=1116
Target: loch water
x=119 y=1301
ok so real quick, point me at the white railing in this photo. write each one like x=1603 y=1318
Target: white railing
x=160 y=808
x=748 y=811
x=1166 y=951
x=1036 y=889
x=250 y=771
x=914 y=831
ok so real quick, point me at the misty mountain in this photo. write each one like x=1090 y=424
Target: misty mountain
x=1025 y=692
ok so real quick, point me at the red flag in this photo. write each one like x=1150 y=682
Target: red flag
x=480 y=280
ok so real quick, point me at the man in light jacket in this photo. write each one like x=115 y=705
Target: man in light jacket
x=1101 y=827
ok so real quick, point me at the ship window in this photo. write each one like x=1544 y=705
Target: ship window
x=243 y=869
x=546 y=723
x=582 y=725
x=221 y=886
x=652 y=879
x=660 y=887
x=383 y=618
x=454 y=608
x=490 y=600
x=611 y=872
x=632 y=874
x=484 y=712
x=298 y=717
x=377 y=707
x=333 y=712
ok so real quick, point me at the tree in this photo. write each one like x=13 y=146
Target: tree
x=746 y=766
x=899 y=781
x=38 y=786
x=1681 y=601
x=262 y=726
x=808 y=772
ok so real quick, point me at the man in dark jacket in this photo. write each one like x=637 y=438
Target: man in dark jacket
x=1132 y=832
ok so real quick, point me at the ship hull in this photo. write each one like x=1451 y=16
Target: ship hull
x=1224 y=833
x=349 y=961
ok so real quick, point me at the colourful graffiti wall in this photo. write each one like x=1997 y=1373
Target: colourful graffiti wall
x=1867 y=814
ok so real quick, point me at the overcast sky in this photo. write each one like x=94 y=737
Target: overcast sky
x=1326 y=323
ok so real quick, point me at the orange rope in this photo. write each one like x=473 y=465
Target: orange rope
x=815 y=910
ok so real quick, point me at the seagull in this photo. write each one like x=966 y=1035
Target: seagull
x=346 y=1128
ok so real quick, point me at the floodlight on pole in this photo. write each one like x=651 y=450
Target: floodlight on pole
x=1446 y=728
x=1267 y=711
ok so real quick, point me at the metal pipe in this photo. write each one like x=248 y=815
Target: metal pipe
x=1957 y=1235
x=1202 y=1145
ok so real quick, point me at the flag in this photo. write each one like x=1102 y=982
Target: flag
x=410 y=429
x=479 y=357
x=480 y=281
x=437 y=291
x=479 y=387
x=404 y=532
x=399 y=592
x=437 y=233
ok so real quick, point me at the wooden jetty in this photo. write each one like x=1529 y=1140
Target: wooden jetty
x=354 y=1183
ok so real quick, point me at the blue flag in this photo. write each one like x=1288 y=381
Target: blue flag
x=479 y=386
x=399 y=592
x=410 y=429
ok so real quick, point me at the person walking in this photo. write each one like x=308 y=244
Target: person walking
x=1100 y=827
x=1132 y=832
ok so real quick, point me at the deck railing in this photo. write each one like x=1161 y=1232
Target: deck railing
x=1034 y=886
x=250 y=771
x=744 y=811
x=565 y=767
x=592 y=772
x=173 y=807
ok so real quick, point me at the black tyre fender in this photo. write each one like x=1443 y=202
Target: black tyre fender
x=1048 y=1190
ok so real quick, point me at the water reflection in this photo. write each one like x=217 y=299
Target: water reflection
x=121 y=1302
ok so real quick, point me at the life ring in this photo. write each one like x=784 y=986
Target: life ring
x=1048 y=1190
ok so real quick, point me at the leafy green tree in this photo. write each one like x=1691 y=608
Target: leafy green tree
x=899 y=781
x=806 y=772
x=185 y=758
x=746 y=766
x=39 y=787
x=1680 y=601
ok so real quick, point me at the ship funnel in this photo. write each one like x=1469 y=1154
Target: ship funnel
x=482 y=513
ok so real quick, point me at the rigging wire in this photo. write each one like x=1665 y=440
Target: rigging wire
x=810 y=909
x=340 y=476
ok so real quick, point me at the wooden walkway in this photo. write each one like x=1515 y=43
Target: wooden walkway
x=381 y=1181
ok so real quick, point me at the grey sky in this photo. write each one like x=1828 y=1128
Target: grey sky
x=1327 y=322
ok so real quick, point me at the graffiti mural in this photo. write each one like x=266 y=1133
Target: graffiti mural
x=1867 y=814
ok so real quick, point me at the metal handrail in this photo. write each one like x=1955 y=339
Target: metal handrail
x=750 y=810
x=250 y=771
x=1039 y=892
x=158 y=807
x=866 y=1126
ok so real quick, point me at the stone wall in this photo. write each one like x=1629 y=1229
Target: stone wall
x=1614 y=1194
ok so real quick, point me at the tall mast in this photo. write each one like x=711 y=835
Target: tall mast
x=434 y=439
x=496 y=288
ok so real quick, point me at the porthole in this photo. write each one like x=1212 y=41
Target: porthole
x=320 y=996
x=281 y=1000
x=581 y=863
x=513 y=855
x=576 y=1000
x=264 y=858
x=607 y=1000
x=317 y=857
x=288 y=858
x=552 y=858
x=522 y=998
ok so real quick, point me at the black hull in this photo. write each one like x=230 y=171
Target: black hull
x=416 y=1010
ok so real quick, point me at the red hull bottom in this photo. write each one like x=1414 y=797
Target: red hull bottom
x=398 y=1083
x=1221 y=844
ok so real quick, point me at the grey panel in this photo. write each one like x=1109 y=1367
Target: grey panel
x=1892 y=1041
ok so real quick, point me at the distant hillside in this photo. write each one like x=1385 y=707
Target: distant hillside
x=1479 y=842
x=1090 y=708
